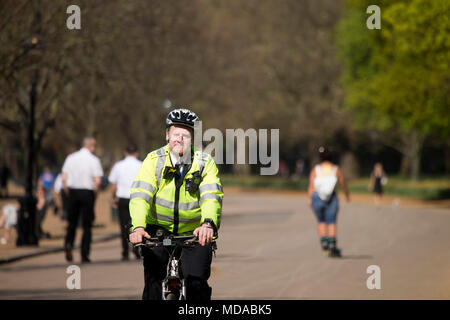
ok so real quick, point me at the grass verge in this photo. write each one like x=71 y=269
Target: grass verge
x=427 y=188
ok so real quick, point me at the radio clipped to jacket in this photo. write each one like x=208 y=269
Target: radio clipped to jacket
x=193 y=183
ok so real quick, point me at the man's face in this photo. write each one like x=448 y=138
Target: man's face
x=92 y=146
x=179 y=138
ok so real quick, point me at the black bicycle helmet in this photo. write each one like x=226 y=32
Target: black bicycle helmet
x=182 y=117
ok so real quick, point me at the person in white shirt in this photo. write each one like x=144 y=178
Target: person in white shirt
x=81 y=178
x=121 y=177
x=8 y=220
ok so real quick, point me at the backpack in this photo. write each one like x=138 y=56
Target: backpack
x=324 y=185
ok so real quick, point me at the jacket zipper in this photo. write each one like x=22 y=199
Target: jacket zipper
x=176 y=215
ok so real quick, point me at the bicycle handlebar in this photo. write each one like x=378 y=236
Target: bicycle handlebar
x=169 y=241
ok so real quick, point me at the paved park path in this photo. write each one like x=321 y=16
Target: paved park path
x=269 y=249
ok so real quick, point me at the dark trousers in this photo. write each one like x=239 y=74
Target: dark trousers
x=195 y=268
x=40 y=219
x=80 y=204
x=124 y=220
x=64 y=203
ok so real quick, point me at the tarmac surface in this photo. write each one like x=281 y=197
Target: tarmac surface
x=268 y=248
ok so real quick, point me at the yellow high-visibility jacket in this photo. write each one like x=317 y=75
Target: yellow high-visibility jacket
x=156 y=200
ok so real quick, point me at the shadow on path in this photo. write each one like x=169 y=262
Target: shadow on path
x=109 y=262
x=356 y=257
x=61 y=293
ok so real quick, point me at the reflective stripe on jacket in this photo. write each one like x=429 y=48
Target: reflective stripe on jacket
x=156 y=200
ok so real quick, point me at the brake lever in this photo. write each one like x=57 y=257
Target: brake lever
x=146 y=243
x=191 y=241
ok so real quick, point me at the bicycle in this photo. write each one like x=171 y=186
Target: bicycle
x=173 y=285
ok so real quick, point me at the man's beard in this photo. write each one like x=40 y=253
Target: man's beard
x=184 y=155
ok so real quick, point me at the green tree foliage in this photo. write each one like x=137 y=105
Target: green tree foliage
x=398 y=77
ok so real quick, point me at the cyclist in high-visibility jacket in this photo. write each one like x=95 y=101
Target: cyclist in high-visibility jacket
x=177 y=189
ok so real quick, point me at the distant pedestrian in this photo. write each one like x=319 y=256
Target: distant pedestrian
x=121 y=177
x=323 y=199
x=283 y=170
x=8 y=220
x=377 y=180
x=41 y=209
x=299 y=167
x=45 y=198
x=46 y=180
x=81 y=176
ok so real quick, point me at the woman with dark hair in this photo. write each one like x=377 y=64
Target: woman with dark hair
x=324 y=200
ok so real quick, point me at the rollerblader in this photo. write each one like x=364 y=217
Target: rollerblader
x=323 y=199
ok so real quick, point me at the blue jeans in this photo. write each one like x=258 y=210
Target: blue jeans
x=325 y=211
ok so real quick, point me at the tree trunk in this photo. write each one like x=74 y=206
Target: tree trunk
x=405 y=165
x=412 y=154
x=447 y=159
x=349 y=166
